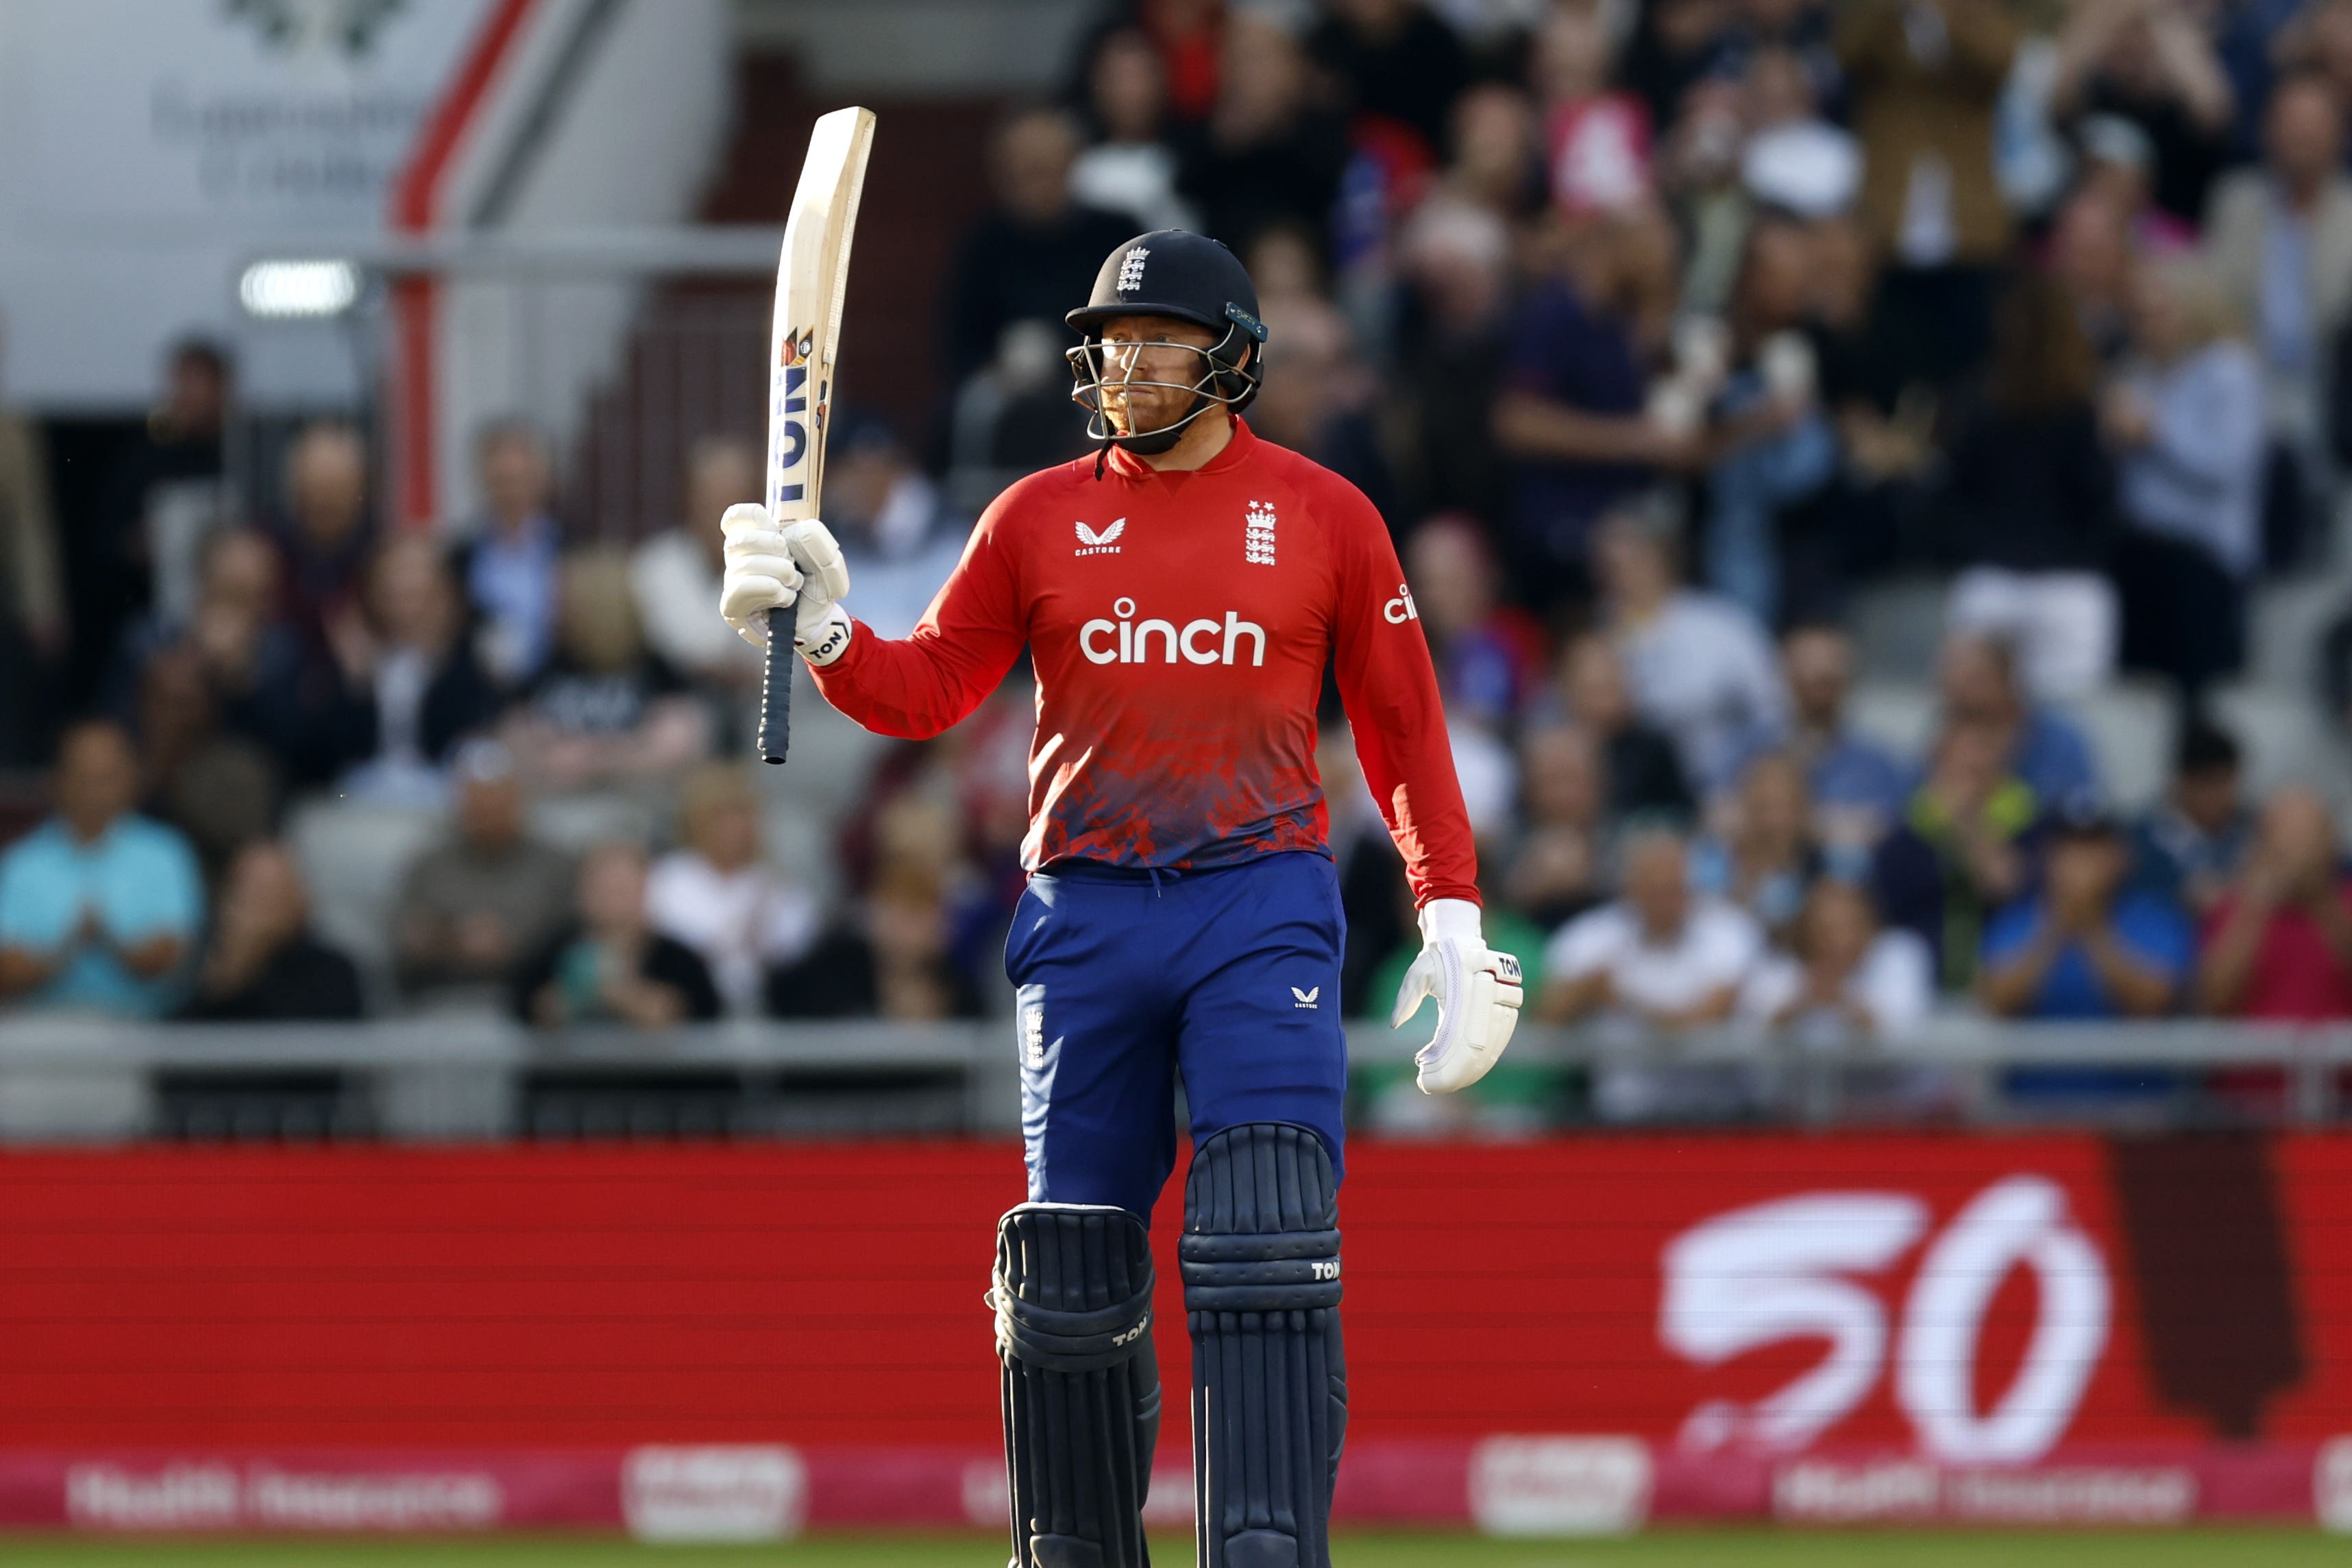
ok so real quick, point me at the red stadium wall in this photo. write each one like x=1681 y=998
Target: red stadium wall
x=1741 y=1304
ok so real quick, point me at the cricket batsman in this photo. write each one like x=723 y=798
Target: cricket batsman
x=1181 y=593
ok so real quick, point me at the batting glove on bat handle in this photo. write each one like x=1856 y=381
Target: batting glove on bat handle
x=1477 y=991
x=796 y=566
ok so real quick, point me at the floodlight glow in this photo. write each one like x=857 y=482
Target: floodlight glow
x=289 y=289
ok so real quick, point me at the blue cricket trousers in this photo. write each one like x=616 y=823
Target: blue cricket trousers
x=1126 y=979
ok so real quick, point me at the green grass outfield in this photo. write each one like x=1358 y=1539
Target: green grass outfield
x=1680 y=1548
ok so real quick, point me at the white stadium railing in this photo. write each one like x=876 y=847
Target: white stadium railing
x=471 y=1077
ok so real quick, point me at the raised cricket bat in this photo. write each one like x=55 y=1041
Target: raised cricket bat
x=811 y=280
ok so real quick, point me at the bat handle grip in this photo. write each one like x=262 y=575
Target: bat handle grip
x=776 y=693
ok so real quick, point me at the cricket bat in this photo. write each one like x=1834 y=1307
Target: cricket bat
x=812 y=281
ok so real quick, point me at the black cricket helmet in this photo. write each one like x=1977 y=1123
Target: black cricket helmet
x=1191 y=278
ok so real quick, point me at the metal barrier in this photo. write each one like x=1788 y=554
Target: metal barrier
x=472 y=1078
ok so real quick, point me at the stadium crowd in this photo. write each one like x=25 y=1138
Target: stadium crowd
x=1660 y=332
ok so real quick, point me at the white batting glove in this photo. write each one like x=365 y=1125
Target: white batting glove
x=796 y=566
x=1478 y=996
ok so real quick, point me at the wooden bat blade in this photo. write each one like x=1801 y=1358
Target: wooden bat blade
x=812 y=286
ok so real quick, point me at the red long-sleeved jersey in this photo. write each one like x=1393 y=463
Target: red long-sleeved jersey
x=1179 y=624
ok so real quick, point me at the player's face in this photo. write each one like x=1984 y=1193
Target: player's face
x=1148 y=365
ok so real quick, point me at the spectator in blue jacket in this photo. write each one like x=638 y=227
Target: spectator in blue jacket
x=2088 y=945
x=98 y=905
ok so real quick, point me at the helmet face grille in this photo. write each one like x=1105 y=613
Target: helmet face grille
x=1223 y=381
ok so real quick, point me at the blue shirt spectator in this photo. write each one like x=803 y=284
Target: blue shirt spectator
x=1572 y=413
x=2045 y=752
x=2190 y=849
x=510 y=568
x=1859 y=789
x=98 y=905
x=2086 y=946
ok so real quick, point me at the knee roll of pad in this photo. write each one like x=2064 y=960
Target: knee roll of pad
x=1261 y=1263
x=1081 y=1388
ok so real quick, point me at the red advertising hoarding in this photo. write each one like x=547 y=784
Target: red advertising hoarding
x=1818 y=1327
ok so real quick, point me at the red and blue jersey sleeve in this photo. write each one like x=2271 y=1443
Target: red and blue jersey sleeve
x=1388 y=686
x=917 y=686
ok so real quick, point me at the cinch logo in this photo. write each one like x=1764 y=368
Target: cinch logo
x=1399 y=610
x=1125 y=641
x=1103 y=543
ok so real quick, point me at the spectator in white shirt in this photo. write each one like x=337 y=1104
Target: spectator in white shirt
x=1847 y=978
x=1659 y=955
x=1132 y=169
x=1700 y=668
x=1658 y=958
x=715 y=894
x=674 y=574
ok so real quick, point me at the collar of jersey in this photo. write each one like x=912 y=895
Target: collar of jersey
x=1128 y=466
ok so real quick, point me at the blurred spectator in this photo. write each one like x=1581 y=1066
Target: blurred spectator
x=887 y=959
x=2186 y=418
x=2280 y=240
x=1573 y=412
x=1317 y=397
x=325 y=537
x=1455 y=257
x=1765 y=858
x=472 y=907
x=2090 y=257
x=1488 y=655
x=1699 y=665
x=1858 y=789
x=606 y=709
x=225 y=716
x=2087 y=945
x=1773 y=450
x=2189 y=848
x=2278 y=944
x=1036 y=252
x=1557 y=869
x=610 y=966
x=99 y=905
x=2030 y=503
x=509 y=564
x=2118 y=166
x=1844 y=978
x=1925 y=77
x=715 y=894
x=1267 y=152
x=168 y=481
x=1493 y=158
x=411 y=686
x=1978 y=679
x=898 y=537
x=1659 y=955
x=675 y=574
x=1795 y=159
x=1183 y=34
x=1596 y=138
x=1392 y=60
x=33 y=620
x=2152 y=66
x=1131 y=168
x=1955 y=859
x=1643 y=769
x=260 y=963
